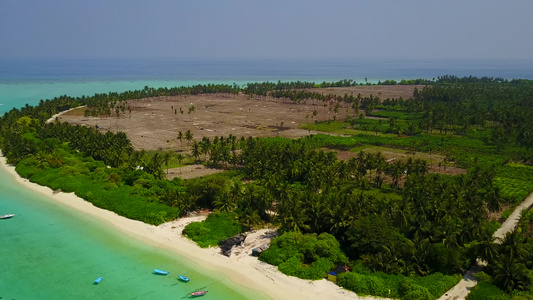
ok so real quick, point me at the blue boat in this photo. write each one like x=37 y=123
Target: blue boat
x=160 y=272
x=97 y=281
x=184 y=278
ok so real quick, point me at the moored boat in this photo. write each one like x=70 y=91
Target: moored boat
x=184 y=278
x=160 y=272
x=97 y=281
x=7 y=216
x=197 y=294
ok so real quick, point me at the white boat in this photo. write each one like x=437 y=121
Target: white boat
x=7 y=216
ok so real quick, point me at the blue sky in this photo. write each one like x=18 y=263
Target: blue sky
x=267 y=29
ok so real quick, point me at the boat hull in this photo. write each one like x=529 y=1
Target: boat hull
x=7 y=216
x=198 y=294
x=184 y=278
x=160 y=272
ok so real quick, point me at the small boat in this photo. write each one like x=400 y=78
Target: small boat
x=160 y=272
x=7 y=216
x=198 y=293
x=97 y=281
x=184 y=278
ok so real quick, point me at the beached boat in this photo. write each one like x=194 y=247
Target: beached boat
x=197 y=294
x=97 y=281
x=184 y=278
x=7 y=216
x=160 y=272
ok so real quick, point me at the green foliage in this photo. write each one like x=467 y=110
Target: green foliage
x=482 y=276
x=445 y=260
x=506 y=214
x=436 y=283
x=217 y=227
x=395 y=114
x=373 y=233
x=410 y=291
x=514 y=190
x=397 y=286
x=363 y=284
x=102 y=187
x=304 y=256
x=486 y=291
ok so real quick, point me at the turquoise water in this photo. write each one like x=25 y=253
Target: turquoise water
x=52 y=252
x=18 y=94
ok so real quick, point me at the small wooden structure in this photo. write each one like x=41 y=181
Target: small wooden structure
x=332 y=276
x=257 y=251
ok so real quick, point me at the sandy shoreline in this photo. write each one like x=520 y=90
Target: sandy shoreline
x=241 y=268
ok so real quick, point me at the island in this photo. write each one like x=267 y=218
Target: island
x=392 y=190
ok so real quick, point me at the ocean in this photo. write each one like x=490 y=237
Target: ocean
x=53 y=252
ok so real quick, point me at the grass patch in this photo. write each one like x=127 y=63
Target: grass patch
x=395 y=114
x=341 y=128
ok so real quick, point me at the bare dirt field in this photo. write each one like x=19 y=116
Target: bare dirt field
x=190 y=171
x=436 y=162
x=154 y=123
x=381 y=91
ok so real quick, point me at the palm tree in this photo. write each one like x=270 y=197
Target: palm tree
x=154 y=166
x=487 y=248
x=188 y=137
x=180 y=158
x=192 y=108
x=180 y=138
x=510 y=275
x=166 y=159
x=196 y=150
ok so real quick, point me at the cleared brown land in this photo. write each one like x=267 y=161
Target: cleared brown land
x=435 y=161
x=381 y=91
x=154 y=123
x=190 y=171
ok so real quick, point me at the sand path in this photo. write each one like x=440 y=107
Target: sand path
x=463 y=288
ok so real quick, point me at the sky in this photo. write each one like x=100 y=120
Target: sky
x=389 y=29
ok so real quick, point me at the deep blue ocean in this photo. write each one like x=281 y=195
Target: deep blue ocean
x=51 y=252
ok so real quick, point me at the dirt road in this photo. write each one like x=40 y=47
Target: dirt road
x=461 y=290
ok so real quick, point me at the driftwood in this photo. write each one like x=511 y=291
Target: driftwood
x=227 y=245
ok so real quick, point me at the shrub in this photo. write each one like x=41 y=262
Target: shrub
x=304 y=256
x=506 y=214
x=436 y=283
x=411 y=291
x=217 y=227
x=363 y=284
x=486 y=291
x=482 y=276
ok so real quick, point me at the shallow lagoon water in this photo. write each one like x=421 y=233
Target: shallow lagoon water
x=53 y=252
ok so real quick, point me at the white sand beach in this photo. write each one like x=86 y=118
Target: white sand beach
x=241 y=267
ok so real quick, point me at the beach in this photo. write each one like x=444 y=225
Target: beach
x=241 y=267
